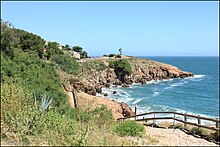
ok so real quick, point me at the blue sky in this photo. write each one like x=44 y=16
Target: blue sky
x=140 y=28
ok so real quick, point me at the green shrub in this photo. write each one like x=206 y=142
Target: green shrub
x=214 y=136
x=198 y=131
x=121 y=68
x=84 y=54
x=111 y=55
x=129 y=128
x=96 y=64
x=67 y=64
x=111 y=64
x=177 y=126
x=102 y=116
x=118 y=56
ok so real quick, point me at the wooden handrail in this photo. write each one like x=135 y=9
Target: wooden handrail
x=195 y=116
x=168 y=112
x=217 y=121
x=198 y=125
x=148 y=113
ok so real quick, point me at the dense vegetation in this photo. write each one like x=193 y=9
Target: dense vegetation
x=36 y=75
x=34 y=107
x=67 y=64
x=121 y=68
x=94 y=64
x=52 y=49
x=24 y=124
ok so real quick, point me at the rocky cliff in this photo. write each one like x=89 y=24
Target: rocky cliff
x=96 y=74
x=143 y=70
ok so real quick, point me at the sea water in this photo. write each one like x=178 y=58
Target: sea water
x=197 y=95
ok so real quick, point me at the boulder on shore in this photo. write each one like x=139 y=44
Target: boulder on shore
x=98 y=89
x=105 y=94
x=114 y=92
x=125 y=85
x=126 y=110
x=91 y=91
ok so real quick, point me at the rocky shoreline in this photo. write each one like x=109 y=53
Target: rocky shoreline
x=143 y=70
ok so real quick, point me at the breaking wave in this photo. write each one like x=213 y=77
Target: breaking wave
x=160 y=95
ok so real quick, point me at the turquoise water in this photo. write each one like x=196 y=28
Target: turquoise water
x=197 y=95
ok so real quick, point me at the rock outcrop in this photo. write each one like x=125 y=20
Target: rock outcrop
x=126 y=110
x=143 y=70
x=118 y=109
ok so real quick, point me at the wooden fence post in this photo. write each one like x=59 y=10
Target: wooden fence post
x=185 y=119
x=75 y=98
x=135 y=111
x=154 y=119
x=199 y=121
x=217 y=124
x=174 y=116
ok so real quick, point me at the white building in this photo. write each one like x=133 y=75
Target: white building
x=75 y=55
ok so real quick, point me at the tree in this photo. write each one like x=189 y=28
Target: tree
x=67 y=47
x=52 y=49
x=83 y=55
x=120 y=50
x=77 y=49
x=53 y=45
x=121 y=68
x=30 y=41
x=9 y=39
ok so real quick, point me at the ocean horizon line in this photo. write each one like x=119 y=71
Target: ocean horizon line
x=159 y=56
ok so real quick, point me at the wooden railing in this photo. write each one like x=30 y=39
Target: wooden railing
x=175 y=118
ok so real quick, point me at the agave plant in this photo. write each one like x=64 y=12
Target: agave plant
x=45 y=102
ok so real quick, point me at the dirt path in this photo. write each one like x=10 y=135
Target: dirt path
x=175 y=137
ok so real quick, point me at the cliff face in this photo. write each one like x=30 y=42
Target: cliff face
x=147 y=70
x=97 y=74
x=143 y=70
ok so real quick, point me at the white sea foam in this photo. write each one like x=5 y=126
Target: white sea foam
x=135 y=84
x=196 y=77
x=177 y=84
x=154 y=82
x=120 y=96
x=136 y=101
x=199 y=76
x=156 y=93
x=123 y=96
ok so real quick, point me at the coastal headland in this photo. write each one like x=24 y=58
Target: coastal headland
x=98 y=73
